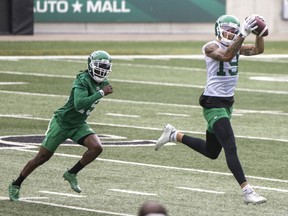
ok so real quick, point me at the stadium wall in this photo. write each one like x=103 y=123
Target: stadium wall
x=272 y=10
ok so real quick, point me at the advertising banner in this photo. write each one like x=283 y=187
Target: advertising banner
x=127 y=11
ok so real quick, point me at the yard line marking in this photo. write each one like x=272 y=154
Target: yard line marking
x=16 y=148
x=37 y=74
x=197 y=86
x=201 y=190
x=32 y=94
x=174 y=114
x=62 y=194
x=13 y=83
x=188 y=69
x=148 y=128
x=272 y=189
x=150 y=103
x=133 y=192
x=25 y=198
x=271 y=79
x=185 y=169
x=163 y=166
x=122 y=115
x=78 y=208
x=148 y=82
x=272 y=112
x=32 y=198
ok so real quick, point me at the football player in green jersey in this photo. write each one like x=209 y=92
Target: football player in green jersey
x=69 y=122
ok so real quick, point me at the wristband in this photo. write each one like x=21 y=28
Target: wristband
x=102 y=92
x=242 y=35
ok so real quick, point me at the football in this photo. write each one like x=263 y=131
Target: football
x=262 y=29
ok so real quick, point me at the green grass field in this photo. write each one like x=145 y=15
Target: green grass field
x=148 y=93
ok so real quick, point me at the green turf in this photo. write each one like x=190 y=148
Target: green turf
x=259 y=122
x=127 y=48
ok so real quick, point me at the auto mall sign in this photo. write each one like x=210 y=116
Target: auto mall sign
x=62 y=6
x=95 y=11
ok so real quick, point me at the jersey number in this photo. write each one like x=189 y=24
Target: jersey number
x=233 y=71
x=89 y=110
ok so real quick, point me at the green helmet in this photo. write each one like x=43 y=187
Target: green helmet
x=99 y=65
x=227 y=23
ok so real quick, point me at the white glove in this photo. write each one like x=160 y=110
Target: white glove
x=248 y=26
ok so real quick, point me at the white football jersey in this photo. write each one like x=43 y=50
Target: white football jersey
x=222 y=77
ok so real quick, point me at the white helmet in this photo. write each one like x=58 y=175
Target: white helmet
x=99 y=65
x=230 y=26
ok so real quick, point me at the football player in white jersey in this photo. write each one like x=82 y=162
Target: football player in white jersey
x=221 y=56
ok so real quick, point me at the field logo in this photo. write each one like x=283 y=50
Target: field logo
x=33 y=141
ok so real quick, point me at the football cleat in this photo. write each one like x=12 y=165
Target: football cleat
x=14 y=191
x=71 y=178
x=250 y=196
x=167 y=136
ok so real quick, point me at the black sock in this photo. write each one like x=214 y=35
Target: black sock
x=19 y=180
x=76 y=168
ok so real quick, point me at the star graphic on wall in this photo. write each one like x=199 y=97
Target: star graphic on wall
x=77 y=7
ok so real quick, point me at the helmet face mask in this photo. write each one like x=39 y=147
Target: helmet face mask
x=99 y=65
x=227 y=28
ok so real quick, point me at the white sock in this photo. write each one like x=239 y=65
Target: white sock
x=174 y=136
x=247 y=189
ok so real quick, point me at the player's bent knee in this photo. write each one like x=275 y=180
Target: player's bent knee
x=98 y=148
x=213 y=156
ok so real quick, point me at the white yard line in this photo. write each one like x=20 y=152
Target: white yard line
x=78 y=208
x=239 y=111
x=145 y=128
x=133 y=192
x=122 y=115
x=271 y=189
x=148 y=82
x=13 y=83
x=164 y=167
x=270 y=79
x=201 y=190
x=62 y=194
x=25 y=198
x=173 y=114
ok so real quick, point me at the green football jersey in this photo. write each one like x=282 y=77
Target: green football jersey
x=82 y=100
